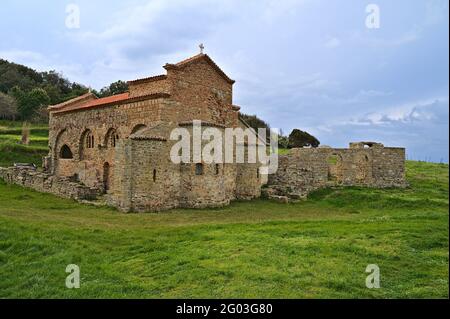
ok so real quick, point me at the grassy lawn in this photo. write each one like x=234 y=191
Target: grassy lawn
x=318 y=248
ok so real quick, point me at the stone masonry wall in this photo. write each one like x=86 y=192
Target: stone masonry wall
x=71 y=128
x=204 y=94
x=158 y=84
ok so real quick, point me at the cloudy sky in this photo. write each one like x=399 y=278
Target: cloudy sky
x=309 y=64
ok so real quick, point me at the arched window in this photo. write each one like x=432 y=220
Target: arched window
x=257 y=173
x=199 y=169
x=111 y=138
x=65 y=152
x=89 y=139
x=154 y=175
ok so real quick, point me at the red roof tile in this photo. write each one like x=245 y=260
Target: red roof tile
x=111 y=100
x=72 y=101
x=92 y=101
x=97 y=102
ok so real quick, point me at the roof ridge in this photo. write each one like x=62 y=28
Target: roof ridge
x=73 y=100
x=187 y=60
x=197 y=57
x=148 y=79
x=114 y=99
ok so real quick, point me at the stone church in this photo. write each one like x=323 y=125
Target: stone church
x=118 y=147
x=120 y=144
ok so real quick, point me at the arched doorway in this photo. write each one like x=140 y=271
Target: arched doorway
x=106 y=177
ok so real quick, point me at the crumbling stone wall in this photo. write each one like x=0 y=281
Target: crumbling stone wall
x=47 y=183
x=363 y=164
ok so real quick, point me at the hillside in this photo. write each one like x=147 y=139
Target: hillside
x=54 y=84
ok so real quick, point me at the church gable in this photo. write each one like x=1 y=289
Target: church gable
x=202 y=90
x=200 y=63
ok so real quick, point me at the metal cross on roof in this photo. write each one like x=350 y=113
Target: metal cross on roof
x=201 y=46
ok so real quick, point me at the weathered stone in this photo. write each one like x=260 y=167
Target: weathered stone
x=46 y=183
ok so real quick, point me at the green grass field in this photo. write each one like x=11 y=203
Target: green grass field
x=11 y=151
x=318 y=248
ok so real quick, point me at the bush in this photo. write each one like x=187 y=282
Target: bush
x=299 y=138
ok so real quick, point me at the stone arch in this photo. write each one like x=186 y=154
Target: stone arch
x=111 y=138
x=65 y=152
x=137 y=128
x=58 y=140
x=335 y=168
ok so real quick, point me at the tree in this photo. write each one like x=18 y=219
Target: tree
x=114 y=88
x=29 y=103
x=8 y=107
x=58 y=88
x=299 y=138
x=255 y=122
x=283 y=140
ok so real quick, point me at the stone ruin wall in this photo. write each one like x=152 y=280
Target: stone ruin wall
x=304 y=170
x=47 y=183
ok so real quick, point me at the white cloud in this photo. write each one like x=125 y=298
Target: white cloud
x=421 y=127
x=333 y=43
x=22 y=56
x=435 y=11
x=41 y=62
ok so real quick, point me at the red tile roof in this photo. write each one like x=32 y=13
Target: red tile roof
x=74 y=100
x=111 y=100
x=92 y=101
x=107 y=100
